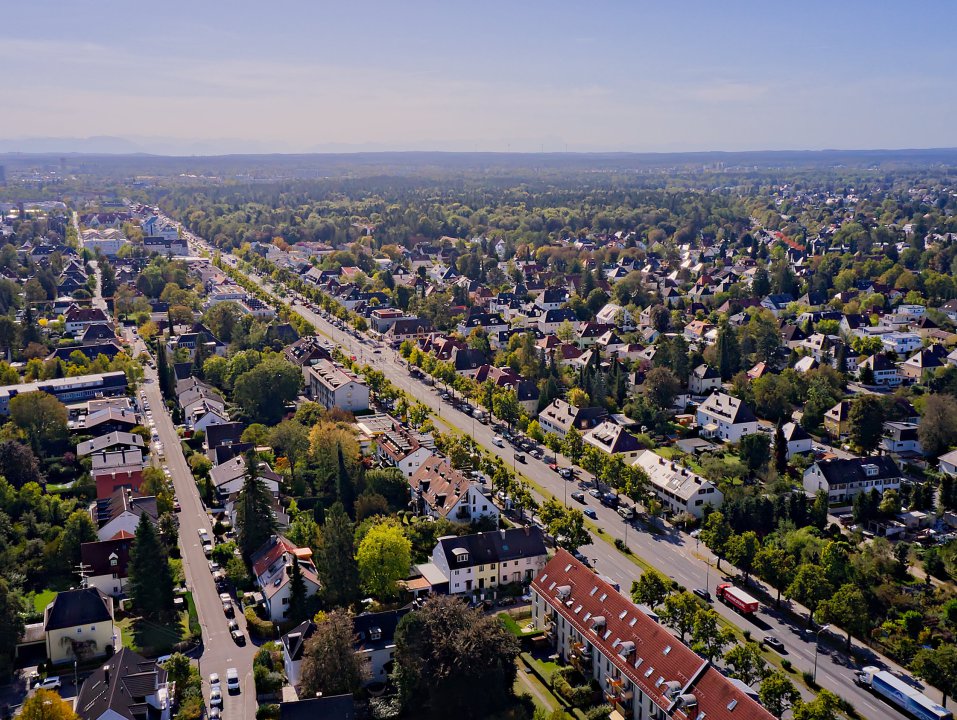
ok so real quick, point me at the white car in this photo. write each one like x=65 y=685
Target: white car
x=498 y=442
x=50 y=683
x=214 y=680
x=232 y=680
x=216 y=697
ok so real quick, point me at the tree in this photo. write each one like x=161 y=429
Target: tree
x=846 y=608
x=255 y=521
x=777 y=693
x=330 y=664
x=728 y=352
x=937 y=431
x=150 y=580
x=810 y=587
x=776 y=567
x=264 y=391
x=297 y=593
x=42 y=418
x=345 y=488
x=650 y=589
x=938 y=666
x=746 y=662
x=866 y=419
x=716 y=533
x=573 y=445
x=780 y=450
x=742 y=550
x=47 y=705
x=661 y=386
x=568 y=529
x=18 y=464
x=446 y=650
x=709 y=638
x=754 y=450
x=11 y=625
x=823 y=707
x=506 y=407
x=578 y=397
x=78 y=529
x=679 y=612
x=384 y=557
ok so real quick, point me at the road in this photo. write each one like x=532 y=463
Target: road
x=219 y=651
x=676 y=554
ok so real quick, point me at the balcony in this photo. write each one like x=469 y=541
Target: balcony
x=581 y=658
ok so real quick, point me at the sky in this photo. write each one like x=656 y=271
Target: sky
x=226 y=76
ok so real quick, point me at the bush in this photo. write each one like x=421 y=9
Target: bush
x=599 y=712
x=747 y=635
x=808 y=677
x=620 y=544
x=576 y=695
x=267 y=682
x=786 y=664
x=267 y=712
x=262 y=629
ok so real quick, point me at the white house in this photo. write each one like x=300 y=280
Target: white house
x=703 y=379
x=400 y=449
x=948 y=463
x=331 y=386
x=678 y=488
x=726 y=418
x=797 y=439
x=438 y=490
x=272 y=567
x=902 y=343
x=842 y=479
x=486 y=561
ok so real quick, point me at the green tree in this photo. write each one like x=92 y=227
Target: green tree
x=150 y=580
x=255 y=521
x=330 y=664
x=754 y=451
x=384 y=557
x=716 y=534
x=345 y=488
x=18 y=464
x=661 y=386
x=810 y=587
x=776 y=567
x=780 y=450
x=78 y=529
x=264 y=391
x=728 y=351
x=297 y=593
x=742 y=550
x=466 y=648
x=505 y=406
x=938 y=666
x=866 y=420
x=823 y=707
x=746 y=662
x=42 y=418
x=777 y=693
x=709 y=639
x=937 y=431
x=650 y=589
x=846 y=608
x=11 y=625
x=679 y=612
x=573 y=445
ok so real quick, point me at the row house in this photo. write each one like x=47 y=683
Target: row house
x=440 y=491
x=842 y=479
x=679 y=489
x=486 y=561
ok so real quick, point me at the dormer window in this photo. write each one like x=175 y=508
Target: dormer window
x=375 y=633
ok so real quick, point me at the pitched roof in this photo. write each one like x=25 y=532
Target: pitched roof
x=84 y=606
x=647 y=654
x=110 y=440
x=333 y=707
x=121 y=687
x=731 y=409
x=440 y=485
x=97 y=555
x=493 y=547
x=839 y=470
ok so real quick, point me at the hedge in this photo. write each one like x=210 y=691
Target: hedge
x=263 y=629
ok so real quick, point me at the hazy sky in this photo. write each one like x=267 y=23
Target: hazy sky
x=284 y=75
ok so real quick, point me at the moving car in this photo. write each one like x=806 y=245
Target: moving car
x=590 y=512
x=773 y=642
x=519 y=457
x=579 y=496
x=702 y=593
x=498 y=442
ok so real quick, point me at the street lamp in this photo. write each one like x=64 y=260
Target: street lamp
x=817 y=645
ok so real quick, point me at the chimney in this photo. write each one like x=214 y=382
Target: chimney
x=502 y=533
x=526 y=531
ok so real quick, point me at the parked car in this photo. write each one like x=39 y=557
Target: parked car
x=595 y=492
x=216 y=697
x=232 y=680
x=579 y=496
x=49 y=683
x=773 y=642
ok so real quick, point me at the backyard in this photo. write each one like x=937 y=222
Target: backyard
x=152 y=638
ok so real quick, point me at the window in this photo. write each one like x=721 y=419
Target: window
x=285 y=601
x=92 y=628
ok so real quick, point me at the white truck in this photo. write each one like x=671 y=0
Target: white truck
x=904 y=696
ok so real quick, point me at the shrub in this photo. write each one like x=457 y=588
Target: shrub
x=747 y=635
x=808 y=677
x=268 y=711
x=267 y=682
x=786 y=664
x=599 y=712
x=262 y=629
x=620 y=544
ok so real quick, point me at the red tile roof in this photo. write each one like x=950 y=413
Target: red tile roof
x=658 y=656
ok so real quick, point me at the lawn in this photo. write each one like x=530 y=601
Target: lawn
x=152 y=638
x=516 y=625
x=42 y=599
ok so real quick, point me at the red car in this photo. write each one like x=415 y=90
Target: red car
x=553 y=467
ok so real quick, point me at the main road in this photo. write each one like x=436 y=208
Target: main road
x=675 y=554
x=219 y=650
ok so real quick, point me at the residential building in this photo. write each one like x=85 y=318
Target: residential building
x=79 y=626
x=105 y=563
x=112 y=471
x=486 y=561
x=329 y=707
x=69 y=389
x=679 y=489
x=703 y=380
x=726 y=418
x=126 y=687
x=331 y=386
x=438 y=490
x=921 y=366
x=884 y=372
x=947 y=463
x=402 y=450
x=561 y=416
x=643 y=670
x=614 y=440
x=114 y=441
x=408 y=329
x=77 y=318
x=900 y=438
x=797 y=439
x=551 y=320
x=902 y=343
x=777 y=303
x=121 y=512
x=837 y=420
x=272 y=568
x=843 y=479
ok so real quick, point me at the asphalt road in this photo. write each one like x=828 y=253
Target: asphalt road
x=219 y=650
x=675 y=554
